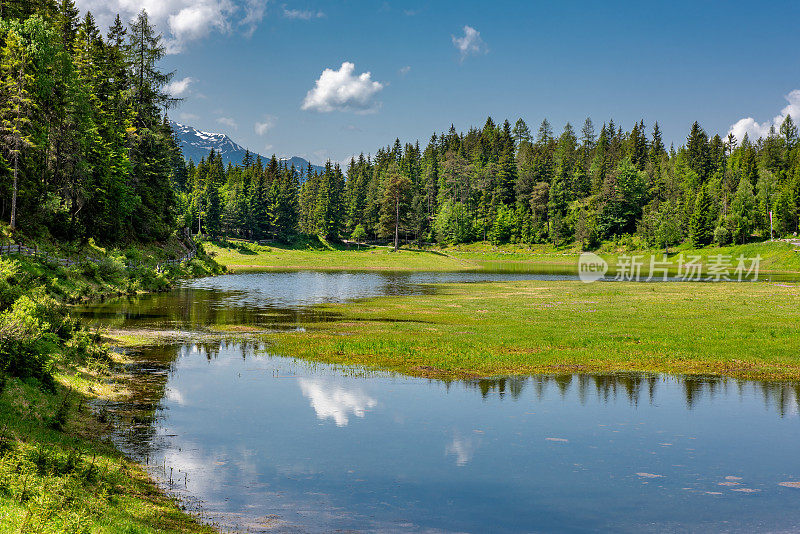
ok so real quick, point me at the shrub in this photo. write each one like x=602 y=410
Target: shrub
x=722 y=236
x=9 y=284
x=111 y=267
x=27 y=338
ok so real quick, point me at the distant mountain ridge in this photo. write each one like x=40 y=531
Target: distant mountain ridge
x=197 y=144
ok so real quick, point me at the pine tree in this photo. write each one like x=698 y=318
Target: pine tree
x=145 y=50
x=697 y=152
x=521 y=132
x=587 y=135
x=15 y=80
x=656 y=147
x=789 y=132
x=743 y=211
x=394 y=203
x=701 y=225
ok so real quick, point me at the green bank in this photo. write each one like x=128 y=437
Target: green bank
x=58 y=470
x=742 y=330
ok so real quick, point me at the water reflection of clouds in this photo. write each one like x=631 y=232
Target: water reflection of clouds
x=174 y=395
x=335 y=402
x=463 y=448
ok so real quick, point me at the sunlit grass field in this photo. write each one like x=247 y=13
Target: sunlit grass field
x=241 y=256
x=743 y=330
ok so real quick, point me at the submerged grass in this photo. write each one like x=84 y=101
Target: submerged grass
x=743 y=330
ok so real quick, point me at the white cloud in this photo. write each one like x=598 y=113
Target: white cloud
x=405 y=70
x=470 y=43
x=269 y=122
x=342 y=90
x=335 y=402
x=198 y=20
x=188 y=117
x=174 y=395
x=756 y=130
x=227 y=121
x=253 y=15
x=178 y=88
x=181 y=21
x=299 y=14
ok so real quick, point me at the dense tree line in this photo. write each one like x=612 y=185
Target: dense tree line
x=503 y=184
x=85 y=148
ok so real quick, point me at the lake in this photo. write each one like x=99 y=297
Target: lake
x=257 y=442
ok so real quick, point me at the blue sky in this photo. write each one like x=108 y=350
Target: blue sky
x=248 y=67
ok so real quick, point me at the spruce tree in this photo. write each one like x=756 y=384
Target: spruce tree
x=743 y=211
x=701 y=224
x=15 y=81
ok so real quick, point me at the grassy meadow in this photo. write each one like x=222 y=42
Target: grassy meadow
x=242 y=256
x=742 y=330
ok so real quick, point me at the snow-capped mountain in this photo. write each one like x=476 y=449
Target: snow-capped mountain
x=197 y=144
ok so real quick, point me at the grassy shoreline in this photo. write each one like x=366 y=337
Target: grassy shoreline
x=59 y=472
x=745 y=330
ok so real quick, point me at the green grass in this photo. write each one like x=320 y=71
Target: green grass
x=57 y=471
x=58 y=475
x=746 y=330
x=239 y=256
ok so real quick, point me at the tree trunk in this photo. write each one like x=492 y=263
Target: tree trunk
x=397 y=222
x=14 y=193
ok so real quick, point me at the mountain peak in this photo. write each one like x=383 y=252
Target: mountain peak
x=197 y=144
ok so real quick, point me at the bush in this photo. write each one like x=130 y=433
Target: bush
x=111 y=267
x=9 y=284
x=722 y=236
x=27 y=338
x=89 y=269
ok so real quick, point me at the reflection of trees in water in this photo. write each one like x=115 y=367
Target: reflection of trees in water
x=784 y=397
x=136 y=418
x=197 y=309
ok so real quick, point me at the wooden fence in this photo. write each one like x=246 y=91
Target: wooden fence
x=20 y=250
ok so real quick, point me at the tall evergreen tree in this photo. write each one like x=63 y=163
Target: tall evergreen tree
x=15 y=81
x=701 y=225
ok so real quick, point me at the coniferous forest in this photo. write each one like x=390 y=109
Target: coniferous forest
x=87 y=151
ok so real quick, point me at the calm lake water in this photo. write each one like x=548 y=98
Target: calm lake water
x=258 y=443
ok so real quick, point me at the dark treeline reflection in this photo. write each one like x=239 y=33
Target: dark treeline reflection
x=196 y=309
x=784 y=397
